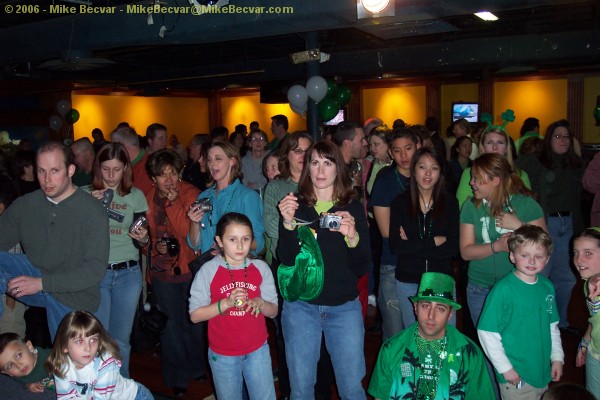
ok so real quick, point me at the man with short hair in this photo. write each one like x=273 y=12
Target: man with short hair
x=431 y=359
x=84 y=153
x=99 y=140
x=350 y=137
x=65 y=233
x=138 y=157
x=279 y=128
x=156 y=134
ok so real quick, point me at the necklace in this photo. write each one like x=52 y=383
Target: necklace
x=426 y=206
x=239 y=302
x=431 y=357
x=399 y=180
x=424 y=233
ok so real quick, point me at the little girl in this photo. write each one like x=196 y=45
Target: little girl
x=586 y=257
x=235 y=294
x=85 y=362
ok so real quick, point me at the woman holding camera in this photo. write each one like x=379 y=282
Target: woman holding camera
x=120 y=289
x=169 y=200
x=325 y=187
x=227 y=194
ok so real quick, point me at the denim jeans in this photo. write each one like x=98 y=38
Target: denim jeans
x=119 y=296
x=303 y=326
x=13 y=265
x=476 y=296
x=405 y=290
x=143 y=393
x=182 y=344
x=558 y=269
x=230 y=372
x=388 y=303
x=592 y=375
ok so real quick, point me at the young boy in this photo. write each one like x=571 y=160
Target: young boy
x=518 y=327
x=23 y=362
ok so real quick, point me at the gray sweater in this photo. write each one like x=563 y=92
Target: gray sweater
x=68 y=242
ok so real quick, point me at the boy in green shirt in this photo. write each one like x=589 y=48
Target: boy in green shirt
x=21 y=361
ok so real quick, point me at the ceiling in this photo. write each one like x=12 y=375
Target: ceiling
x=438 y=38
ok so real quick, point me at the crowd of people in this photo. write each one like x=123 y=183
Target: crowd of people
x=238 y=230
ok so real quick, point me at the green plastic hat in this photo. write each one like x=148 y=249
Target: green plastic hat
x=437 y=287
x=303 y=280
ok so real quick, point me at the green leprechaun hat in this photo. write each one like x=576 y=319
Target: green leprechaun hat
x=437 y=287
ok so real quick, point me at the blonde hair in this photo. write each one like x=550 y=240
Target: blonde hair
x=508 y=155
x=78 y=324
x=230 y=152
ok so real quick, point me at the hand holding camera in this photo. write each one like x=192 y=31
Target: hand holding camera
x=168 y=245
x=287 y=207
x=198 y=208
x=139 y=229
x=341 y=221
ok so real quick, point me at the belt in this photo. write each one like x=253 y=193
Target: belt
x=560 y=214
x=123 y=265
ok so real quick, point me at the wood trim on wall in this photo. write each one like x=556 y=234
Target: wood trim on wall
x=575 y=105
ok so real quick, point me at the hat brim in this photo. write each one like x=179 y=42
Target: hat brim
x=436 y=299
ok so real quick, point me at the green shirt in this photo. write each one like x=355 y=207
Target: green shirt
x=274 y=192
x=522 y=313
x=38 y=373
x=487 y=271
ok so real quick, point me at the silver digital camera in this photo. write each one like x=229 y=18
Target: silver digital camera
x=139 y=222
x=202 y=204
x=330 y=221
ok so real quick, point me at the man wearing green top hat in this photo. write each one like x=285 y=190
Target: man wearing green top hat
x=431 y=360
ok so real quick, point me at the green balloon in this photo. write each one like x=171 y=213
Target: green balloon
x=328 y=108
x=597 y=114
x=332 y=88
x=343 y=95
x=72 y=116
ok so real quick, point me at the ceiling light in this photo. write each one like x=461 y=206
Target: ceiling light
x=486 y=16
x=375 y=8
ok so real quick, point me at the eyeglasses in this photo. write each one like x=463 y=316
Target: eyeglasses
x=299 y=151
x=561 y=137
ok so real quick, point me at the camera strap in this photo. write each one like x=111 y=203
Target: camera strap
x=301 y=222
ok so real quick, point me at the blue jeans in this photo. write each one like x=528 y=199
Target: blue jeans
x=405 y=290
x=13 y=265
x=119 y=296
x=558 y=269
x=303 y=326
x=388 y=303
x=143 y=393
x=476 y=296
x=230 y=372
x=182 y=344
x=592 y=375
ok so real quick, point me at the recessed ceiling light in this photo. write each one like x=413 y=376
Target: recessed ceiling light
x=486 y=16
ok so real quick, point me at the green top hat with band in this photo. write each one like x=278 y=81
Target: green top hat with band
x=437 y=287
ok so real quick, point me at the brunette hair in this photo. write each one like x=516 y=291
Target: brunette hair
x=78 y=324
x=230 y=152
x=492 y=165
x=571 y=160
x=232 y=218
x=456 y=145
x=463 y=123
x=289 y=144
x=590 y=233
x=530 y=234
x=113 y=151
x=7 y=338
x=160 y=160
x=439 y=189
x=272 y=154
x=342 y=186
x=58 y=146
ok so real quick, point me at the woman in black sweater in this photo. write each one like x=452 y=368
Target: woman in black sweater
x=423 y=227
x=324 y=187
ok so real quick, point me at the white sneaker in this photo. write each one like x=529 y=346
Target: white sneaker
x=372 y=300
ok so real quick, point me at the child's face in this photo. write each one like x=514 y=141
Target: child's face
x=586 y=257
x=235 y=242
x=272 y=168
x=18 y=359
x=82 y=350
x=529 y=259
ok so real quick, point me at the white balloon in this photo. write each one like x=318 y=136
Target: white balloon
x=316 y=87
x=297 y=96
x=55 y=123
x=299 y=110
x=63 y=107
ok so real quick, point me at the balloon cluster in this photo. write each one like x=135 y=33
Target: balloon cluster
x=326 y=93
x=597 y=111
x=70 y=115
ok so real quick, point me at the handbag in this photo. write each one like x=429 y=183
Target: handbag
x=199 y=261
x=152 y=318
x=303 y=280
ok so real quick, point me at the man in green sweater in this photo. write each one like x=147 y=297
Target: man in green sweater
x=64 y=232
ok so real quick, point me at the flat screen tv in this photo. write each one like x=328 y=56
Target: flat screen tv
x=340 y=117
x=468 y=111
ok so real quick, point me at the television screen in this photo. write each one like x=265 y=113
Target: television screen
x=468 y=111
x=337 y=119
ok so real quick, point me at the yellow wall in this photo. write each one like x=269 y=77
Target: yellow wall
x=544 y=99
x=389 y=104
x=466 y=92
x=591 y=90
x=245 y=109
x=183 y=116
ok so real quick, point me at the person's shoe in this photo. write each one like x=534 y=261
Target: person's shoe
x=179 y=391
x=570 y=330
x=372 y=299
